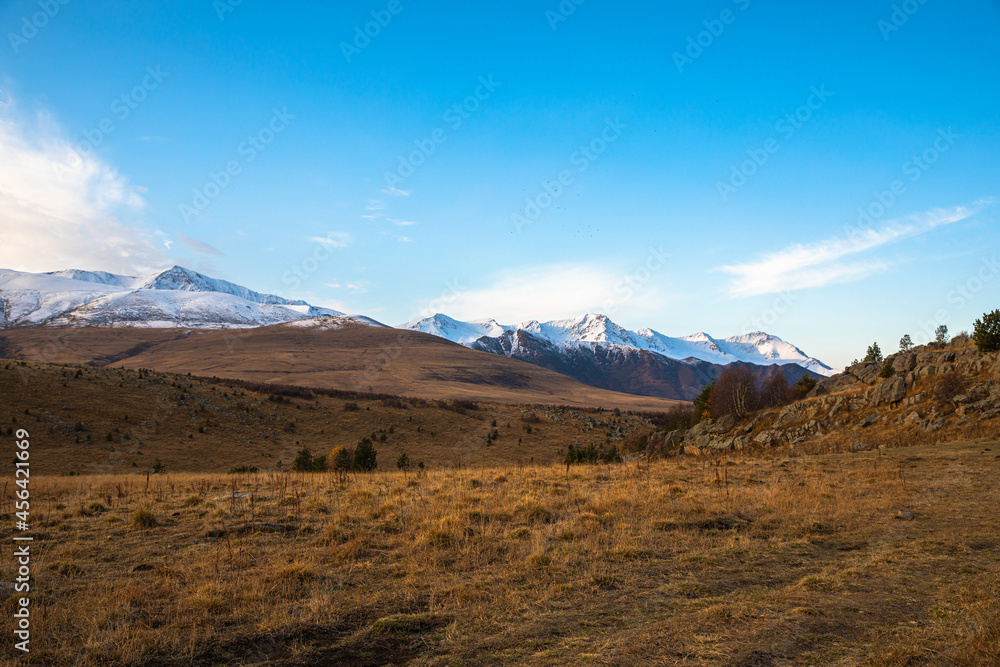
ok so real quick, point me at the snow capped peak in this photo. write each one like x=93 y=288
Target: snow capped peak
x=596 y=329
x=177 y=297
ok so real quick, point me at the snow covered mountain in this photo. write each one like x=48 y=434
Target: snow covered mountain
x=593 y=331
x=177 y=297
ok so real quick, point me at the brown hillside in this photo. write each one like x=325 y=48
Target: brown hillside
x=365 y=359
x=106 y=420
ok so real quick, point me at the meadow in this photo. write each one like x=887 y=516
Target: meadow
x=763 y=560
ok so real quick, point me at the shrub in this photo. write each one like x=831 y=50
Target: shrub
x=365 y=455
x=403 y=462
x=351 y=406
x=949 y=386
x=144 y=518
x=887 y=370
x=986 y=332
x=805 y=384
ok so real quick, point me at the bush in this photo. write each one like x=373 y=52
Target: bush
x=986 y=332
x=887 y=370
x=304 y=461
x=802 y=388
x=144 y=518
x=365 y=455
x=403 y=462
x=949 y=386
x=242 y=469
x=351 y=406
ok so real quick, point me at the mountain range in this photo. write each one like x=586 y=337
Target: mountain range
x=591 y=348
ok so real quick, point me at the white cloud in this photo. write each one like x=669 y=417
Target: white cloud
x=401 y=223
x=58 y=208
x=333 y=239
x=396 y=192
x=375 y=205
x=818 y=264
x=556 y=291
x=405 y=239
x=198 y=246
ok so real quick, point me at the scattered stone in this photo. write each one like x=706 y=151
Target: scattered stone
x=913 y=418
x=870 y=419
x=859 y=446
x=904 y=515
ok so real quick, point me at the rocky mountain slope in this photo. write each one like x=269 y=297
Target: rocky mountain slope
x=935 y=393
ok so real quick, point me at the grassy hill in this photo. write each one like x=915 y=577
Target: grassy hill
x=107 y=420
x=356 y=358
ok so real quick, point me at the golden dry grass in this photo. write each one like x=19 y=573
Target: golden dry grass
x=756 y=561
x=130 y=419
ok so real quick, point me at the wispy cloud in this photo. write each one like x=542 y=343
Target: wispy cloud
x=59 y=208
x=333 y=239
x=550 y=292
x=401 y=223
x=198 y=246
x=405 y=239
x=376 y=205
x=396 y=192
x=829 y=262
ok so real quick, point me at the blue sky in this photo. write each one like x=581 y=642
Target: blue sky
x=681 y=168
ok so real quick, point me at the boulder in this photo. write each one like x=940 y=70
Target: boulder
x=870 y=419
x=891 y=391
x=904 y=362
x=859 y=446
x=723 y=425
x=913 y=418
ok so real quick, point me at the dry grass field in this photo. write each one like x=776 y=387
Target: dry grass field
x=708 y=561
x=112 y=420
